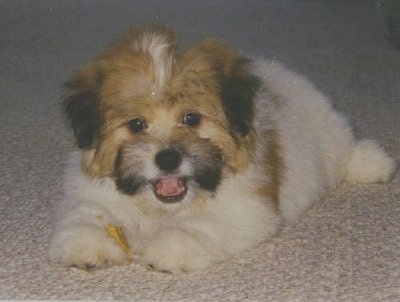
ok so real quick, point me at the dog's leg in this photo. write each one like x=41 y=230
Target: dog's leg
x=85 y=223
x=174 y=250
x=85 y=244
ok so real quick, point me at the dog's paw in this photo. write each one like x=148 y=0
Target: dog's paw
x=176 y=252
x=87 y=248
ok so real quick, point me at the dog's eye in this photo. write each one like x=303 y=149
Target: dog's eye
x=192 y=119
x=137 y=125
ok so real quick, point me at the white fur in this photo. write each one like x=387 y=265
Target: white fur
x=319 y=149
x=159 y=49
x=368 y=163
x=235 y=220
x=319 y=152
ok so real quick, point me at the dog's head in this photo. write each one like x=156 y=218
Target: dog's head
x=165 y=128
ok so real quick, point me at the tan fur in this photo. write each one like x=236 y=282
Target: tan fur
x=274 y=166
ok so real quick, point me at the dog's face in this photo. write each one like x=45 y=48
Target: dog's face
x=167 y=129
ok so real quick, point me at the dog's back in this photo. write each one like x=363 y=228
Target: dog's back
x=319 y=149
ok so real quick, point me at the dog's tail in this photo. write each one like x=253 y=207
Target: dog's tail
x=368 y=163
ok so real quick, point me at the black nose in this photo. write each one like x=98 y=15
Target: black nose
x=168 y=159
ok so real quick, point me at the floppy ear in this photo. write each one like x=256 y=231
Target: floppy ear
x=81 y=107
x=236 y=86
x=237 y=89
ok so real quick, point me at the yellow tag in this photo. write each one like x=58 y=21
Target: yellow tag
x=117 y=233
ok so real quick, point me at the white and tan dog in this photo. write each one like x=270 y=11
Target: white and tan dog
x=195 y=157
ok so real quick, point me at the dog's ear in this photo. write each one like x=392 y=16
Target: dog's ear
x=237 y=90
x=81 y=106
x=236 y=86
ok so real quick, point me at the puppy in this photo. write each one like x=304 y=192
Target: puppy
x=195 y=157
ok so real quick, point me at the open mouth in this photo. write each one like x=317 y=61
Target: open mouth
x=170 y=189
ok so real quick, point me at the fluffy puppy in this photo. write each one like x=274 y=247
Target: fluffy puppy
x=195 y=157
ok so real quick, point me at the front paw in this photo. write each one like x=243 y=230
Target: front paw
x=87 y=248
x=177 y=251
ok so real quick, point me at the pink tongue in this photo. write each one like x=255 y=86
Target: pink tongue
x=170 y=187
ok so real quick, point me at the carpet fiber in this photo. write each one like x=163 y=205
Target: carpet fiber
x=347 y=248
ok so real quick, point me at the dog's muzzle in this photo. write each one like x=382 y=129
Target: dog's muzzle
x=170 y=188
x=171 y=185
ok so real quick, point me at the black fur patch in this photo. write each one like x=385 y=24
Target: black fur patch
x=127 y=184
x=82 y=109
x=208 y=168
x=208 y=178
x=237 y=91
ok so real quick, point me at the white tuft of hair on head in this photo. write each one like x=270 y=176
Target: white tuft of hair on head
x=158 y=43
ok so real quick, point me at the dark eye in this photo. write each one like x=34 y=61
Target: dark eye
x=192 y=119
x=137 y=125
